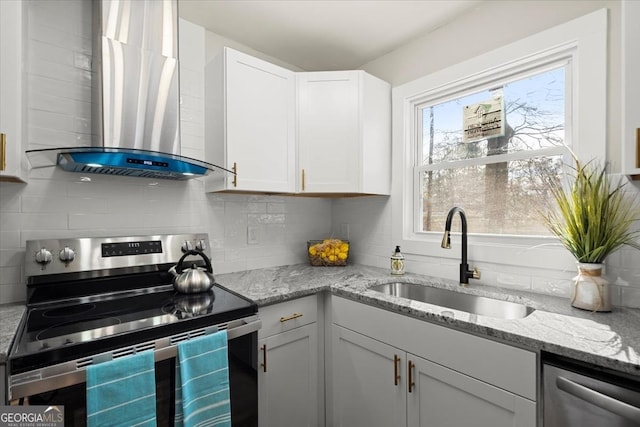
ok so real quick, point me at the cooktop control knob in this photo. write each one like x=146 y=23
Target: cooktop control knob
x=67 y=254
x=201 y=245
x=187 y=246
x=43 y=256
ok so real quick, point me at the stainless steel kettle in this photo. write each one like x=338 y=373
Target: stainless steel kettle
x=192 y=279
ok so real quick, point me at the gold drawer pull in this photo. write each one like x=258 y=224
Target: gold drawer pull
x=3 y=151
x=412 y=384
x=235 y=174
x=293 y=316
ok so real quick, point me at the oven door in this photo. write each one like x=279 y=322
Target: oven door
x=48 y=387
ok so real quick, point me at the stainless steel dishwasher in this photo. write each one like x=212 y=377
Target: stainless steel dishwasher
x=577 y=394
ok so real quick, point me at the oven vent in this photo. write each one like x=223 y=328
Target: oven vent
x=198 y=333
x=126 y=351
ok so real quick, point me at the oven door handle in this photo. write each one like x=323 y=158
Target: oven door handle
x=247 y=326
x=74 y=372
x=599 y=399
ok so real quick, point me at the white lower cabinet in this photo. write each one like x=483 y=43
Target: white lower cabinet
x=288 y=365
x=443 y=397
x=391 y=370
x=365 y=390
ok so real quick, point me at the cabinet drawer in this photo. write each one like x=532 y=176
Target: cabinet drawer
x=288 y=315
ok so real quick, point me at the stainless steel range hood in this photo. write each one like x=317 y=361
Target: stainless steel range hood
x=136 y=114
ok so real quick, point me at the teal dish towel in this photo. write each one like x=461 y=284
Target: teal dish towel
x=202 y=382
x=122 y=392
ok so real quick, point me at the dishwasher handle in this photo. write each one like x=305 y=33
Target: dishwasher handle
x=596 y=398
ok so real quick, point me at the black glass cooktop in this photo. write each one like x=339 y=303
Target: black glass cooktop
x=54 y=333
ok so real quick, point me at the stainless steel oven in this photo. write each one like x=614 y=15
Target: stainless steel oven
x=91 y=300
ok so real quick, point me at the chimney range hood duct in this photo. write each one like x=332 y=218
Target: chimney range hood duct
x=136 y=114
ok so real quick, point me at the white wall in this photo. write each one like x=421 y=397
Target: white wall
x=56 y=204
x=490 y=25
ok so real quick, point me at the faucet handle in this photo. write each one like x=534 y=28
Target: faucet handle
x=475 y=274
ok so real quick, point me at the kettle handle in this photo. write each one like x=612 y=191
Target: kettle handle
x=206 y=259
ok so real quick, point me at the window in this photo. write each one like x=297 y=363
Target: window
x=553 y=86
x=497 y=180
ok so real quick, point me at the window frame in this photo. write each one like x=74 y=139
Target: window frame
x=583 y=43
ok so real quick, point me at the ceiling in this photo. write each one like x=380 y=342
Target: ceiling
x=318 y=35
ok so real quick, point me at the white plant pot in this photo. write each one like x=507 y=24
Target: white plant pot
x=591 y=289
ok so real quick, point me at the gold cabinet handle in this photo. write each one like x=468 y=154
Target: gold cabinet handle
x=303 y=180
x=3 y=151
x=293 y=316
x=264 y=358
x=396 y=369
x=235 y=174
x=638 y=147
x=410 y=369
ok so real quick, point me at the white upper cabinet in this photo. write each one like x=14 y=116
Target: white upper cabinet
x=630 y=88
x=11 y=91
x=250 y=124
x=344 y=134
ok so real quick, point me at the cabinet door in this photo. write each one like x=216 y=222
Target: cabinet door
x=630 y=88
x=366 y=390
x=11 y=90
x=260 y=124
x=442 y=397
x=288 y=384
x=329 y=123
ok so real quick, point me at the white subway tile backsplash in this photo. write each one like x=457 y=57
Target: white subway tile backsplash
x=61 y=121
x=55 y=104
x=11 y=274
x=33 y=221
x=11 y=257
x=71 y=16
x=630 y=296
x=43 y=85
x=54 y=138
x=552 y=286
x=60 y=72
x=11 y=239
x=12 y=293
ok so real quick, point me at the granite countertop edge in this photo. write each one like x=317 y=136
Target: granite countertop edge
x=609 y=340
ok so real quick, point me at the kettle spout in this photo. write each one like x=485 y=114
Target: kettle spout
x=173 y=271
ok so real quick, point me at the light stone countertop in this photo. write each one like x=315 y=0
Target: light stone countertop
x=10 y=316
x=610 y=340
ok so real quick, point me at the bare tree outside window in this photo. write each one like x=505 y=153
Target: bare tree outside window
x=501 y=194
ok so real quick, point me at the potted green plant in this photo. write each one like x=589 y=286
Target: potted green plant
x=594 y=217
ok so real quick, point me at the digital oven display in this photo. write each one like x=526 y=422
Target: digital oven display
x=131 y=248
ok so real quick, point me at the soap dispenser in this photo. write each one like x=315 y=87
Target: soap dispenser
x=397 y=262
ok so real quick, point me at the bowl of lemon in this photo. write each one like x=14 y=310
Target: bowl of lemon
x=328 y=252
